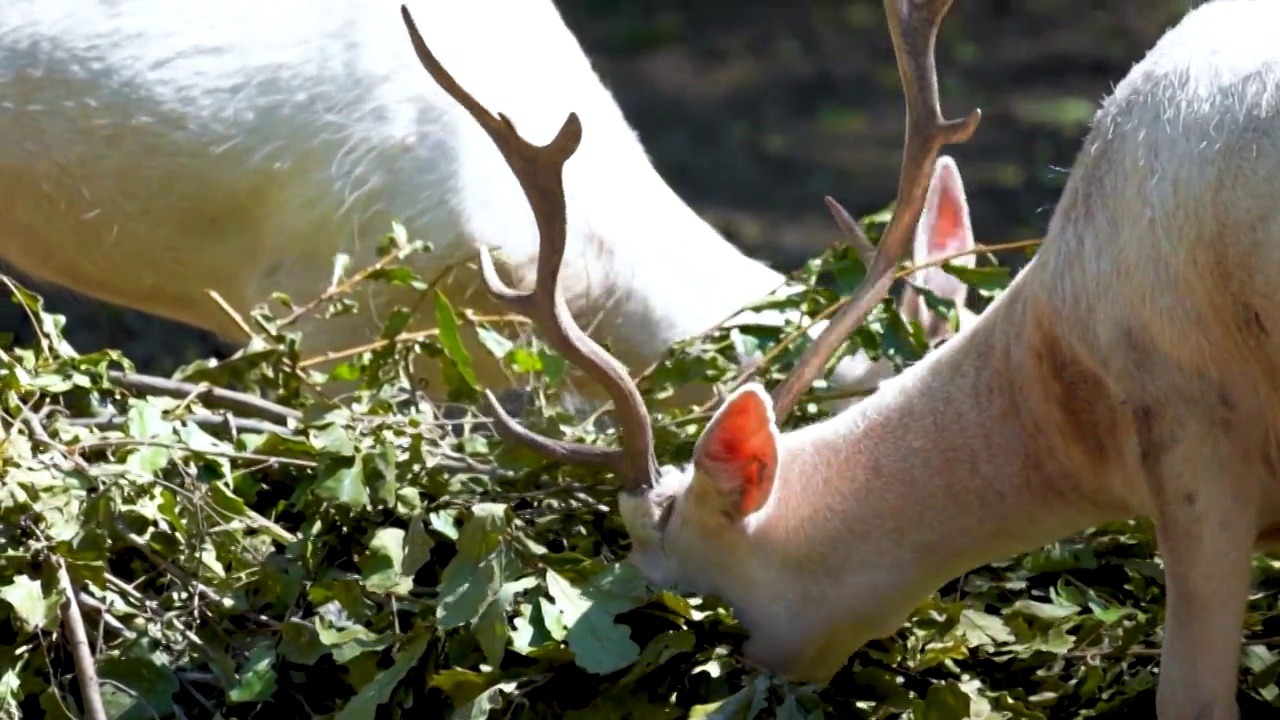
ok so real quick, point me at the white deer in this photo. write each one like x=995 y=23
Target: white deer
x=1132 y=369
x=154 y=150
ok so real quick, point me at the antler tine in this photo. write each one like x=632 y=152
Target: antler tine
x=852 y=231
x=913 y=26
x=539 y=170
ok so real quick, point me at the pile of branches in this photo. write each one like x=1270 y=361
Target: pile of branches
x=176 y=548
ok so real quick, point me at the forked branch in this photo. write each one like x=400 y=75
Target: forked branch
x=913 y=27
x=539 y=170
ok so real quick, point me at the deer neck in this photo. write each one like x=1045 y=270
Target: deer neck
x=665 y=275
x=1001 y=441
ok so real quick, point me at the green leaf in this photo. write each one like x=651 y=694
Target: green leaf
x=256 y=679
x=474 y=577
x=492 y=632
x=525 y=361
x=660 y=650
x=1045 y=611
x=399 y=318
x=599 y=644
x=365 y=703
x=418 y=544
x=145 y=421
x=149 y=459
x=462 y=685
x=11 y=693
x=382 y=563
x=349 y=642
x=742 y=705
x=333 y=438
x=300 y=642
x=982 y=628
x=484 y=703
x=986 y=280
x=451 y=340
x=137 y=688
x=494 y=342
x=947 y=701
x=30 y=605
x=344 y=484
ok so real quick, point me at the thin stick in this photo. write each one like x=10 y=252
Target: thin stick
x=86 y=668
x=230 y=312
x=218 y=397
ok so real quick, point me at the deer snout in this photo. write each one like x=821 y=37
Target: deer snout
x=805 y=645
x=811 y=660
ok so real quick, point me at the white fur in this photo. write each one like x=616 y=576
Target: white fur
x=154 y=149
x=1130 y=370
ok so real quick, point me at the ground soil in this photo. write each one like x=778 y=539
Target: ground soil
x=755 y=110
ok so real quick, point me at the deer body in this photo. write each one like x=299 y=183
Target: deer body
x=1127 y=368
x=155 y=149
x=1132 y=369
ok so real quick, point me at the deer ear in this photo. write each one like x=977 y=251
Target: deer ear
x=944 y=229
x=738 y=450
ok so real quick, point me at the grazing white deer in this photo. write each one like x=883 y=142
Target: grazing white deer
x=153 y=150
x=1130 y=370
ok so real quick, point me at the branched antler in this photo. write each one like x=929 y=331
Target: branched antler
x=913 y=26
x=539 y=170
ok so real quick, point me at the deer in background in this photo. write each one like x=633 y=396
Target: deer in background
x=1130 y=370
x=153 y=150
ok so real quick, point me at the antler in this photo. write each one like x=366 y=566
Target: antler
x=913 y=26
x=538 y=168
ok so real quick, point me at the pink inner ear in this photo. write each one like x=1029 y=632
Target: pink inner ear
x=740 y=450
x=947 y=233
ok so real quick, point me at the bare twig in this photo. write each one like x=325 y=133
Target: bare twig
x=375 y=345
x=206 y=420
x=183 y=576
x=345 y=286
x=230 y=312
x=86 y=668
x=35 y=425
x=35 y=325
x=1145 y=652
x=108 y=443
x=104 y=612
x=214 y=396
